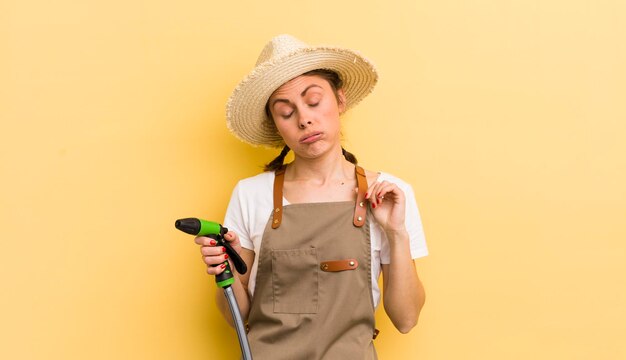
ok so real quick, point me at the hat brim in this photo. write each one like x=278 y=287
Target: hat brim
x=245 y=109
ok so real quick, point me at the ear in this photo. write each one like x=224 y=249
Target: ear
x=341 y=100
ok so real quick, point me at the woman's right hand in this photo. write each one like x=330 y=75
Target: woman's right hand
x=214 y=254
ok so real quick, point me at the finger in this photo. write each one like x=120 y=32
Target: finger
x=384 y=189
x=372 y=189
x=212 y=250
x=390 y=191
x=379 y=190
x=214 y=260
x=205 y=241
x=215 y=270
x=231 y=236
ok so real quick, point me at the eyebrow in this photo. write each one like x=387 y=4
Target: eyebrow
x=308 y=87
x=301 y=94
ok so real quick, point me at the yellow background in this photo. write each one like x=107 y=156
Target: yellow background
x=507 y=117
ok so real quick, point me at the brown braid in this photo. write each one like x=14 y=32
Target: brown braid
x=278 y=161
x=349 y=156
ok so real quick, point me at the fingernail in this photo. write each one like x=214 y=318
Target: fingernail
x=213 y=242
x=223 y=249
x=226 y=256
x=367 y=195
x=374 y=205
x=223 y=266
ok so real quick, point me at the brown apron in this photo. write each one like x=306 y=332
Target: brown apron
x=313 y=294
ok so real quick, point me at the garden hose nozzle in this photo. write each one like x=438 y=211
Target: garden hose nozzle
x=213 y=230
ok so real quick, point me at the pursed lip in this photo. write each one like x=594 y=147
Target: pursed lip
x=310 y=137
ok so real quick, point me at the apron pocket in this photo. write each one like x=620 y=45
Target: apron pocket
x=295 y=281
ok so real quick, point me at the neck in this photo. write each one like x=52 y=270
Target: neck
x=331 y=166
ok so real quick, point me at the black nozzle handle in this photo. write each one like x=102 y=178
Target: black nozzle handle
x=240 y=265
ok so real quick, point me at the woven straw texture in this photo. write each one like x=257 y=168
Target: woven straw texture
x=281 y=60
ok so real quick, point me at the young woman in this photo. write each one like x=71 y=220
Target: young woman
x=316 y=232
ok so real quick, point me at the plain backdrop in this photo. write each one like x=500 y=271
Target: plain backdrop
x=506 y=116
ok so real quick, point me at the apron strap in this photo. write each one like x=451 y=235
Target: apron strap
x=359 y=208
x=278 y=197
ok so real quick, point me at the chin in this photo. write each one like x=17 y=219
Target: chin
x=316 y=150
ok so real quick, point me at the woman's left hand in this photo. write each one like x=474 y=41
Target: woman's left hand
x=388 y=205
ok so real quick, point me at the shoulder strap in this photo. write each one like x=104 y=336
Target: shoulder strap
x=279 y=179
x=360 y=209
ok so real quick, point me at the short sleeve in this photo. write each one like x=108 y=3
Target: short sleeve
x=414 y=226
x=413 y=223
x=236 y=218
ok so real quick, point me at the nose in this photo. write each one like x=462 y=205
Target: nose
x=304 y=119
x=304 y=124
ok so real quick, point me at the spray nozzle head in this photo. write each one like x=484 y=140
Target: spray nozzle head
x=190 y=225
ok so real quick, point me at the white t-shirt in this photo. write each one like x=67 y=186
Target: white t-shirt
x=252 y=203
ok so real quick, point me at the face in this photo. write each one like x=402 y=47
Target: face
x=306 y=113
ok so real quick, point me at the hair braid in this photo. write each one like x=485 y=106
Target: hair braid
x=278 y=161
x=349 y=156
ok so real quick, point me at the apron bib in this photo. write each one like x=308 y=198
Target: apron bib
x=313 y=295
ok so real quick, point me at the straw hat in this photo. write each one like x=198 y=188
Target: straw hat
x=281 y=60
